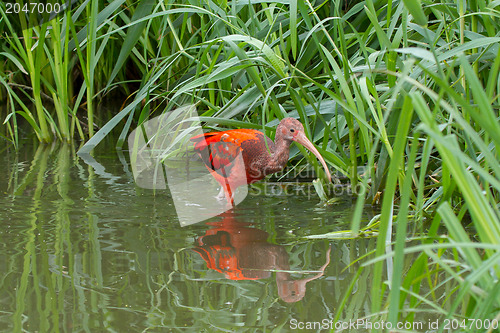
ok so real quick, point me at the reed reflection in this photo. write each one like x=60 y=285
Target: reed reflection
x=242 y=252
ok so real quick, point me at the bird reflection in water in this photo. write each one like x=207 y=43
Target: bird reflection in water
x=241 y=252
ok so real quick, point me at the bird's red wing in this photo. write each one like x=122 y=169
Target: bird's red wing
x=219 y=149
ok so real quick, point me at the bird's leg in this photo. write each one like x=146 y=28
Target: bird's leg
x=230 y=199
x=225 y=192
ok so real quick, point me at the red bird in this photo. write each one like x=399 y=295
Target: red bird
x=243 y=156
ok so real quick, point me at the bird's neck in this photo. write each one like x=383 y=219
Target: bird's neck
x=279 y=156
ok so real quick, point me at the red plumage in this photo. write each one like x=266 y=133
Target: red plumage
x=242 y=156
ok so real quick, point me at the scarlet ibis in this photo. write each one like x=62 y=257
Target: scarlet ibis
x=243 y=156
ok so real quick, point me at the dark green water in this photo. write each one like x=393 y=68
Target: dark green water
x=84 y=249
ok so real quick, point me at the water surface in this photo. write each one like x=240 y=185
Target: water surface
x=84 y=249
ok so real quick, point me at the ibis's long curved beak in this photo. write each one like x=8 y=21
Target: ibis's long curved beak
x=301 y=138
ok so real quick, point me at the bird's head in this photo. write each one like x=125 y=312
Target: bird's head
x=290 y=129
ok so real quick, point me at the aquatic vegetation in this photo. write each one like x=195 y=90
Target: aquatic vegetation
x=401 y=99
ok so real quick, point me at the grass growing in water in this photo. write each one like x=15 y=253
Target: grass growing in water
x=411 y=102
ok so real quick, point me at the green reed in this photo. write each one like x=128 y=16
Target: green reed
x=405 y=91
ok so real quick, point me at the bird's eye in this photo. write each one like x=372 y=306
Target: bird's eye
x=292 y=130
